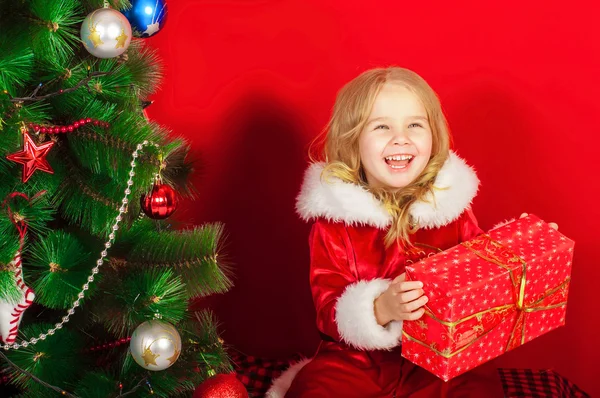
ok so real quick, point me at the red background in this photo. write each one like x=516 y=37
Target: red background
x=250 y=83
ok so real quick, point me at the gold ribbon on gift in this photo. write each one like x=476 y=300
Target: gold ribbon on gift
x=488 y=249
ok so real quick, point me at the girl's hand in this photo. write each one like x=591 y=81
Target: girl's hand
x=552 y=224
x=402 y=301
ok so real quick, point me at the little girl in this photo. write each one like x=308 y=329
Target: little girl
x=389 y=183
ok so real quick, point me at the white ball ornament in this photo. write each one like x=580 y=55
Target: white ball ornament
x=155 y=345
x=105 y=33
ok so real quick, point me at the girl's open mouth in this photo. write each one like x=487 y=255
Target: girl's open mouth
x=399 y=162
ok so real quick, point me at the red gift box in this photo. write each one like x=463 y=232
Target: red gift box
x=488 y=295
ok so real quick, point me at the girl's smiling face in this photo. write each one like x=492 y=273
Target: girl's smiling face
x=395 y=144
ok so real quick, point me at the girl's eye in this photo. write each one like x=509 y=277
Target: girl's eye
x=381 y=125
x=415 y=124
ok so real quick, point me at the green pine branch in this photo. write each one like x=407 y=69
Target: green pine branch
x=15 y=66
x=50 y=359
x=145 y=68
x=9 y=291
x=206 y=347
x=53 y=29
x=60 y=266
x=131 y=299
x=193 y=254
x=97 y=384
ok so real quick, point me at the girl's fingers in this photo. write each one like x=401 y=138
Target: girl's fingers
x=552 y=224
x=413 y=316
x=400 y=278
x=406 y=286
x=414 y=305
x=407 y=297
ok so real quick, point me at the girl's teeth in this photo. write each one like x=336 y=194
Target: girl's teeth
x=399 y=157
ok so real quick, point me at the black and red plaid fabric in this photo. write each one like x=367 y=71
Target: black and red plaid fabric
x=257 y=373
x=538 y=384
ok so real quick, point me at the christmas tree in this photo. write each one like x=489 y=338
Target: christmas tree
x=94 y=278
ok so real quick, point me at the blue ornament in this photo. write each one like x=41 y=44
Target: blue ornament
x=147 y=17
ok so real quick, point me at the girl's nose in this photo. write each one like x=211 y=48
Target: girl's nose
x=400 y=138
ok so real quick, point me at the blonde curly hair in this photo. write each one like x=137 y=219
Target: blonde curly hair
x=340 y=139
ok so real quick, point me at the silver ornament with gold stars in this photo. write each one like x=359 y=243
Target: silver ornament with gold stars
x=105 y=33
x=155 y=345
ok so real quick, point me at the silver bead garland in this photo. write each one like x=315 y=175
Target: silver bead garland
x=96 y=269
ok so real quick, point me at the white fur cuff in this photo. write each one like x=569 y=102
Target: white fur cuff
x=355 y=317
x=282 y=384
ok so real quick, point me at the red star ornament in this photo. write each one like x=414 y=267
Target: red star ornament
x=32 y=157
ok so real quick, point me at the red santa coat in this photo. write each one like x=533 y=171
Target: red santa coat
x=350 y=267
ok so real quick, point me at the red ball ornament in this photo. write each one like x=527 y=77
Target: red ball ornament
x=221 y=386
x=76 y=125
x=160 y=203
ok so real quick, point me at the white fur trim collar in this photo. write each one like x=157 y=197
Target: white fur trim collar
x=339 y=201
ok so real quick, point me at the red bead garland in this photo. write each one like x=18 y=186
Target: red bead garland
x=110 y=345
x=68 y=128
